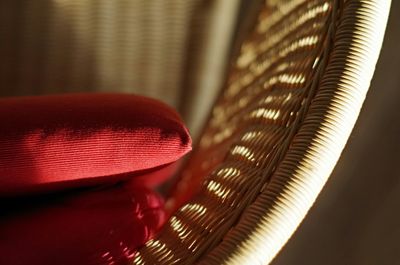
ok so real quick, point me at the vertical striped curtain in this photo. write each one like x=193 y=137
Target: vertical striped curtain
x=173 y=50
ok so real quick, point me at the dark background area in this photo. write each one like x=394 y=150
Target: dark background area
x=356 y=218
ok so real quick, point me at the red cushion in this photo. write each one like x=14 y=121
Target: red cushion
x=62 y=141
x=154 y=177
x=98 y=227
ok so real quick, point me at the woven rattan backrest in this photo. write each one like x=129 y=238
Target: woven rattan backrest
x=275 y=134
x=265 y=94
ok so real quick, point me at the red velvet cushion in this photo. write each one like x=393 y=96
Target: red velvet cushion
x=62 y=141
x=154 y=177
x=98 y=227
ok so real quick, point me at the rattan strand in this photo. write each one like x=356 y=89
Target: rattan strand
x=274 y=136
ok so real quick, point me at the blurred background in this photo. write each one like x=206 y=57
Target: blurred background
x=178 y=51
x=172 y=50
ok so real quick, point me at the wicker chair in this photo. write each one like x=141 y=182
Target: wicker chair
x=290 y=101
x=291 y=98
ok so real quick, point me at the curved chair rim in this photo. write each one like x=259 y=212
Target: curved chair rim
x=312 y=150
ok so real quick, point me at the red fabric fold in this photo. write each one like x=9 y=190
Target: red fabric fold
x=91 y=228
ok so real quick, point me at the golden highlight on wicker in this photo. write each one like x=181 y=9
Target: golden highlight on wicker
x=273 y=137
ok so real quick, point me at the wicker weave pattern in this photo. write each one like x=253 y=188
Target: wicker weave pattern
x=267 y=84
x=251 y=124
x=275 y=134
